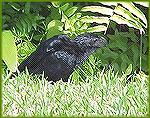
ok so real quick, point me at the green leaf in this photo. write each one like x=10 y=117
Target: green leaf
x=109 y=3
x=56 y=4
x=116 y=66
x=123 y=66
x=78 y=25
x=14 y=5
x=67 y=25
x=71 y=11
x=145 y=4
x=27 y=7
x=144 y=63
x=120 y=20
x=108 y=54
x=133 y=9
x=9 y=50
x=84 y=26
x=145 y=43
x=136 y=53
x=92 y=19
x=38 y=37
x=55 y=27
x=64 y=17
x=55 y=15
x=99 y=9
x=64 y=7
x=128 y=70
x=98 y=28
x=127 y=14
x=74 y=18
x=125 y=58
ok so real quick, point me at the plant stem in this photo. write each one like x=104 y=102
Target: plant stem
x=140 y=49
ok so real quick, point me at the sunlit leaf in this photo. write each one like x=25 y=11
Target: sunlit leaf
x=131 y=7
x=98 y=28
x=74 y=18
x=71 y=11
x=64 y=7
x=9 y=50
x=56 y=3
x=109 y=3
x=55 y=27
x=145 y=4
x=64 y=17
x=128 y=70
x=92 y=19
x=127 y=14
x=99 y=9
x=120 y=20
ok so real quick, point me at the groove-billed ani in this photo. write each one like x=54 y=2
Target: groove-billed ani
x=59 y=56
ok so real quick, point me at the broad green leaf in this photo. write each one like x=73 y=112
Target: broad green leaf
x=136 y=53
x=99 y=9
x=24 y=50
x=55 y=14
x=116 y=66
x=71 y=11
x=98 y=28
x=127 y=14
x=9 y=50
x=133 y=9
x=92 y=19
x=27 y=7
x=54 y=23
x=55 y=27
x=67 y=25
x=125 y=58
x=64 y=7
x=123 y=65
x=38 y=37
x=109 y=54
x=26 y=23
x=128 y=70
x=109 y=3
x=78 y=24
x=64 y=17
x=120 y=20
x=119 y=42
x=145 y=43
x=56 y=4
x=145 y=4
x=74 y=18
x=84 y=26
x=19 y=27
x=144 y=63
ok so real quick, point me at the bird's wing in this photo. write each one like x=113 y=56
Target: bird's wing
x=32 y=60
x=44 y=49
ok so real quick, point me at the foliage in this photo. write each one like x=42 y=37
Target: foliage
x=125 y=47
x=32 y=22
x=9 y=50
x=104 y=92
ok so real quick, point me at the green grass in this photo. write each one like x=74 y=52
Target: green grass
x=104 y=94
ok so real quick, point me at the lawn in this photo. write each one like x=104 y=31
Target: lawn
x=104 y=94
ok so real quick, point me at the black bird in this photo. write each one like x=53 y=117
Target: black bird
x=59 y=56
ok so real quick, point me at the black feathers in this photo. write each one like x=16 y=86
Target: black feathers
x=59 y=56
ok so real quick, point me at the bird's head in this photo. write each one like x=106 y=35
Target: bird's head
x=90 y=42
